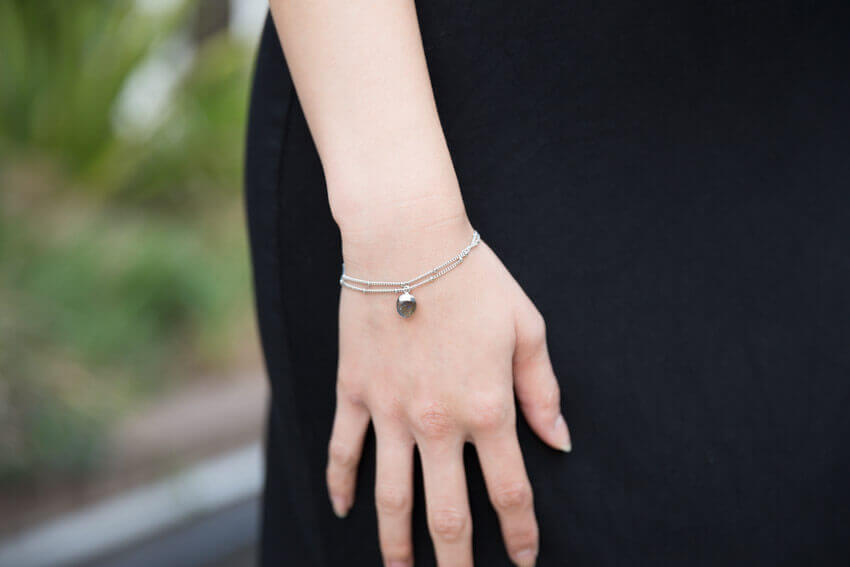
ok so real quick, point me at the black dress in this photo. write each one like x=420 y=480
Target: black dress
x=670 y=184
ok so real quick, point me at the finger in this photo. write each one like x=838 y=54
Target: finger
x=535 y=384
x=351 y=421
x=510 y=492
x=446 y=498
x=394 y=496
x=447 y=506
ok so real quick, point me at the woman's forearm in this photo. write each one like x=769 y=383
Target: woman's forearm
x=359 y=70
x=445 y=376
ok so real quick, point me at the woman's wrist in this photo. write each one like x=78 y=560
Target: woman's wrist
x=376 y=214
x=398 y=206
x=400 y=242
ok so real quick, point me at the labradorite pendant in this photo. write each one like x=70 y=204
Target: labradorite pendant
x=405 y=305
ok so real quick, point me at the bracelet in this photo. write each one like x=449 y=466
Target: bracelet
x=406 y=303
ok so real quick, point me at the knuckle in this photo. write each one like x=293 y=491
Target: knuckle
x=552 y=399
x=348 y=388
x=396 y=551
x=532 y=339
x=522 y=538
x=549 y=402
x=512 y=496
x=537 y=328
x=449 y=524
x=433 y=421
x=489 y=412
x=345 y=372
x=338 y=481
x=389 y=406
x=340 y=455
x=391 y=500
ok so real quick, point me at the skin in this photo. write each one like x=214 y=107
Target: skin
x=448 y=375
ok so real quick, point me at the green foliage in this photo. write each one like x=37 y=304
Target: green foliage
x=105 y=314
x=46 y=425
x=119 y=286
x=62 y=68
x=198 y=146
x=123 y=261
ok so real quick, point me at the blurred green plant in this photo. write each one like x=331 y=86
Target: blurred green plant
x=123 y=261
x=97 y=318
x=63 y=70
x=198 y=146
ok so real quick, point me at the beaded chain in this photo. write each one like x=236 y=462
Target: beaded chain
x=406 y=303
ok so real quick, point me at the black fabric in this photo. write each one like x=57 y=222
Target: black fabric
x=670 y=183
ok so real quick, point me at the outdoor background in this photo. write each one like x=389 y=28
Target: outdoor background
x=128 y=347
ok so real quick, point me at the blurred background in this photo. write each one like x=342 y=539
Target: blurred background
x=131 y=387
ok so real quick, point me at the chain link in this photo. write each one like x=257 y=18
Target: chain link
x=367 y=286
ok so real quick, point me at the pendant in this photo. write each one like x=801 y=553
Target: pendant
x=405 y=305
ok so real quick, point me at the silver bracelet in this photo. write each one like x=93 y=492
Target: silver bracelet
x=406 y=303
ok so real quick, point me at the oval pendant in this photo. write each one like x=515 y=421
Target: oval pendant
x=405 y=305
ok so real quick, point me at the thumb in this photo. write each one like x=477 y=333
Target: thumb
x=534 y=381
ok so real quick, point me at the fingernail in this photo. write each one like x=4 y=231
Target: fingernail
x=399 y=563
x=562 y=434
x=340 y=506
x=526 y=557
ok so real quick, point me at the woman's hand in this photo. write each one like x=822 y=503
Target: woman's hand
x=437 y=380
x=447 y=375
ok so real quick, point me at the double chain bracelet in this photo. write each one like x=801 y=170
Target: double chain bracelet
x=406 y=303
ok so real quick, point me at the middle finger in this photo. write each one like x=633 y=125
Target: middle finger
x=446 y=501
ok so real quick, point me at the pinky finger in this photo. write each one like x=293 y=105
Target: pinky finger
x=344 y=449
